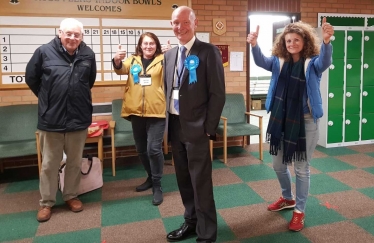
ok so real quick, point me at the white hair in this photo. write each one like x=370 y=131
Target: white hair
x=70 y=22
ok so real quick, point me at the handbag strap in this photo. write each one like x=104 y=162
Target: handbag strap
x=89 y=157
x=58 y=177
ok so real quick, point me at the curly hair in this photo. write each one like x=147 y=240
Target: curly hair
x=309 y=35
x=138 y=49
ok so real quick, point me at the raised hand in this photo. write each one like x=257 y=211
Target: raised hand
x=327 y=31
x=119 y=56
x=252 y=37
x=166 y=47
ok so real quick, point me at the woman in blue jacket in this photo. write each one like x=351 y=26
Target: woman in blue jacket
x=295 y=103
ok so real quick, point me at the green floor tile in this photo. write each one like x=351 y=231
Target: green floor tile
x=368 y=192
x=218 y=164
x=238 y=150
x=17 y=226
x=370 y=154
x=254 y=172
x=235 y=195
x=317 y=214
x=366 y=223
x=22 y=186
x=91 y=235
x=370 y=170
x=169 y=183
x=92 y=196
x=322 y=183
x=124 y=172
x=336 y=151
x=267 y=158
x=285 y=237
x=128 y=210
x=330 y=164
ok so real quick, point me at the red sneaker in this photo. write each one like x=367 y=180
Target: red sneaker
x=297 y=221
x=281 y=204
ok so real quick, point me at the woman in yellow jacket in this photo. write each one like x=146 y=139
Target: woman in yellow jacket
x=144 y=105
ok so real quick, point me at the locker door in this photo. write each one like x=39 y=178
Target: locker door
x=354 y=42
x=351 y=127
x=337 y=42
x=367 y=123
x=335 y=101
x=353 y=72
x=336 y=73
x=369 y=44
x=368 y=99
x=368 y=71
x=335 y=129
x=352 y=100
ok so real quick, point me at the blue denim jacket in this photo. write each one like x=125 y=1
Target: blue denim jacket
x=314 y=68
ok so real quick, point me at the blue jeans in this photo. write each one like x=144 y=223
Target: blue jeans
x=148 y=135
x=302 y=171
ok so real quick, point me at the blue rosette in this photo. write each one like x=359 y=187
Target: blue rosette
x=191 y=63
x=135 y=70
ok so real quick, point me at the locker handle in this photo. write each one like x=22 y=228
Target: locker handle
x=349 y=38
x=347 y=122
x=348 y=94
x=331 y=95
x=366 y=66
x=349 y=66
x=332 y=66
x=367 y=38
x=365 y=93
x=330 y=123
x=364 y=120
x=332 y=38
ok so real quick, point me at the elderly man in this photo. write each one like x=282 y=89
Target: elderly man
x=195 y=94
x=61 y=74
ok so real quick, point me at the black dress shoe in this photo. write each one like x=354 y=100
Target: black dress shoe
x=182 y=233
x=145 y=186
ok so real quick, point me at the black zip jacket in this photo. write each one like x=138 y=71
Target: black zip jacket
x=63 y=87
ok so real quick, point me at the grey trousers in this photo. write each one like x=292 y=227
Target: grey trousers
x=53 y=144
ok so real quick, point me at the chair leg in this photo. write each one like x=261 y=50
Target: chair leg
x=38 y=152
x=211 y=149
x=113 y=160
x=172 y=160
x=260 y=147
x=225 y=149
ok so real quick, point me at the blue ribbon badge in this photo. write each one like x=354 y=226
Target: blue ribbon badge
x=191 y=63
x=135 y=70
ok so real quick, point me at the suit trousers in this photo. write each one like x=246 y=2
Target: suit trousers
x=53 y=144
x=193 y=169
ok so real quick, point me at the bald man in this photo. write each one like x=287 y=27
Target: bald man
x=195 y=94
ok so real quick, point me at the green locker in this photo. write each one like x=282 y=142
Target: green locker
x=335 y=129
x=352 y=128
x=338 y=44
x=367 y=99
x=353 y=72
x=352 y=100
x=367 y=124
x=368 y=71
x=335 y=101
x=369 y=44
x=336 y=73
x=354 y=42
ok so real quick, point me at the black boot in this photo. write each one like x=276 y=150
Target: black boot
x=157 y=194
x=145 y=186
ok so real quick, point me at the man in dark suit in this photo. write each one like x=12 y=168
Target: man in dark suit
x=195 y=94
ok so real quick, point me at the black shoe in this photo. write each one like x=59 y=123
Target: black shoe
x=145 y=186
x=157 y=195
x=182 y=233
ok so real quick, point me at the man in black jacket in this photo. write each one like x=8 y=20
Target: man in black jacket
x=61 y=74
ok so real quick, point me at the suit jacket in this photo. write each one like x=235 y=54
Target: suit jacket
x=200 y=103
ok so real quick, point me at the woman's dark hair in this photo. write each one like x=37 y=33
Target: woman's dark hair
x=139 y=51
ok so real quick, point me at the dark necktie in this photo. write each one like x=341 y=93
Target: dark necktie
x=182 y=57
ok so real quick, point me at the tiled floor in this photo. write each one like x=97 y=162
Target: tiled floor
x=340 y=207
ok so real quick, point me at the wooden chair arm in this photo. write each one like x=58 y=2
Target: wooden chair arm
x=251 y=114
x=223 y=118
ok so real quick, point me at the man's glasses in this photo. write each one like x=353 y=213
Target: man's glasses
x=72 y=35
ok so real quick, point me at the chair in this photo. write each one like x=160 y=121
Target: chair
x=233 y=123
x=121 y=132
x=18 y=124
